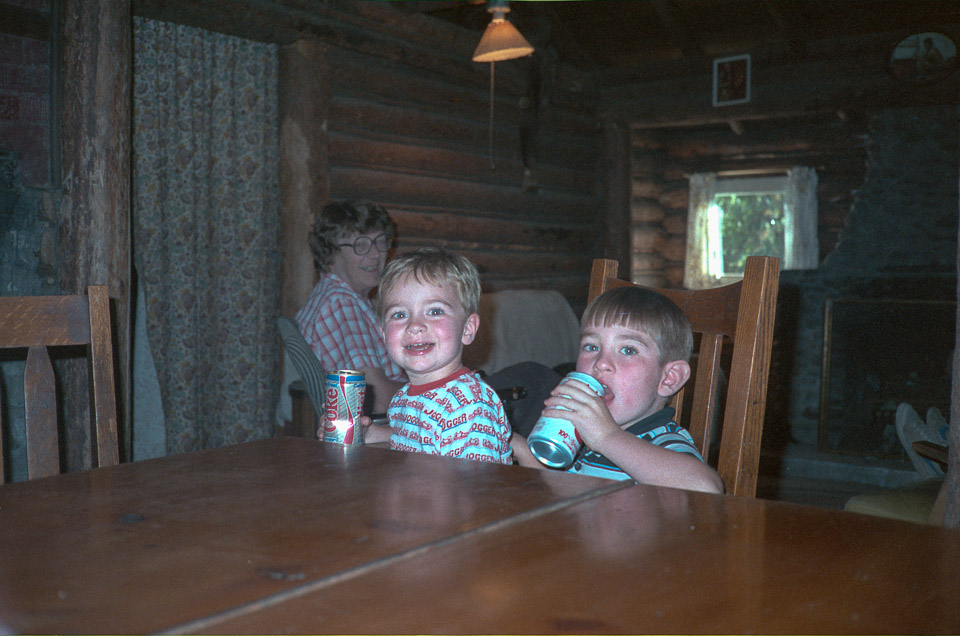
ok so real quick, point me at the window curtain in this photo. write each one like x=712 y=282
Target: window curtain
x=696 y=268
x=206 y=241
x=800 y=237
x=801 y=250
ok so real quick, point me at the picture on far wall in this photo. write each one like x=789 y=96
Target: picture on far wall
x=731 y=80
x=923 y=58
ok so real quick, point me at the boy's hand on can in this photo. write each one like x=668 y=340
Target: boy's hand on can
x=365 y=423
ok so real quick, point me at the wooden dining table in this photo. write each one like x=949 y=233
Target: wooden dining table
x=292 y=535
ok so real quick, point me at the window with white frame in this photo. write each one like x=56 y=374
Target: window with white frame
x=732 y=217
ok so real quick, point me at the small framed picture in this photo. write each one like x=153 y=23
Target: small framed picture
x=924 y=58
x=731 y=80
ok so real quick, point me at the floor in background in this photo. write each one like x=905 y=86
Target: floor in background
x=812 y=492
x=807 y=477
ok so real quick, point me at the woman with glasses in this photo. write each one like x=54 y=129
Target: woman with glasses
x=349 y=242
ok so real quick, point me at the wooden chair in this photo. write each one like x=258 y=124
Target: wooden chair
x=742 y=312
x=36 y=323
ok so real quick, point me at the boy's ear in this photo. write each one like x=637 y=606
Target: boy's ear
x=470 y=328
x=673 y=376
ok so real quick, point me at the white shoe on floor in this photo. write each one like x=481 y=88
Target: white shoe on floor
x=911 y=428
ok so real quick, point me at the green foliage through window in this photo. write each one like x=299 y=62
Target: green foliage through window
x=749 y=224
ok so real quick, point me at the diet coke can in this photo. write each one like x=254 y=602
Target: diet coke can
x=555 y=442
x=343 y=404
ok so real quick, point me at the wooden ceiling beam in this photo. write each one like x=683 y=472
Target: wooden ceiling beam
x=678 y=28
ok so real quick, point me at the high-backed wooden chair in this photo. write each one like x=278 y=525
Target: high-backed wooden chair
x=742 y=313
x=36 y=323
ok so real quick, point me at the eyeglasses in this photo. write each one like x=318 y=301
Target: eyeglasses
x=362 y=245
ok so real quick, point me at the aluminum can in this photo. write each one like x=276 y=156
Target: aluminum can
x=555 y=442
x=343 y=403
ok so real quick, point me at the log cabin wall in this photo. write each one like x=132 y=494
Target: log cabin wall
x=406 y=125
x=887 y=165
x=404 y=121
x=409 y=125
x=664 y=159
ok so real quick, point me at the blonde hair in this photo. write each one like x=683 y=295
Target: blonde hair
x=643 y=310
x=434 y=266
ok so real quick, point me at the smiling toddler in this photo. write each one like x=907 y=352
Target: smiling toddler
x=427 y=302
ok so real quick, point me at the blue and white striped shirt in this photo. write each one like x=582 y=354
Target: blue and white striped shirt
x=658 y=429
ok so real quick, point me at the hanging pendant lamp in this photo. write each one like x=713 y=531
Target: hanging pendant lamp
x=501 y=41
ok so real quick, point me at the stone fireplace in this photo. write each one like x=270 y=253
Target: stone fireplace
x=878 y=352
x=874 y=325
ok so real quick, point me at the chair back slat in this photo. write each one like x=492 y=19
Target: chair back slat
x=741 y=314
x=38 y=323
x=101 y=364
x=706 y=391
x=749 y=372
x=40 y=409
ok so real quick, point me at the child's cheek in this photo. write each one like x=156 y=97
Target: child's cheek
x=584 y=362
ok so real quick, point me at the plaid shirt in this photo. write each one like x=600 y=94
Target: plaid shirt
x=341 y=328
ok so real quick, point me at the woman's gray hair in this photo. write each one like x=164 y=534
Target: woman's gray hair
x=339 y=218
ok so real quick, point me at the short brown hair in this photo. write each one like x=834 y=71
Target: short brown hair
x=339 y=218
x=438 y=267
x=644 y=310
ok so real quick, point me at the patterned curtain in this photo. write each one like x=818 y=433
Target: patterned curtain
x=696 y=265
x=206 y=229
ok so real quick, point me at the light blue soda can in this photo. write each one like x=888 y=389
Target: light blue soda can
x=555 y=442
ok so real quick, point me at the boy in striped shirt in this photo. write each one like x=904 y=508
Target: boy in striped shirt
x=637 y=343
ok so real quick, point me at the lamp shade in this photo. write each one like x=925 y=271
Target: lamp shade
x=501 y=41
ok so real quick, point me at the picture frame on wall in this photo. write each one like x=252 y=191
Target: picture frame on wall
x=731 y=80
x=923 y=58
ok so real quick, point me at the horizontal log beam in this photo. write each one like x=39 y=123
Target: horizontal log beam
x=504 y=234
x=466 y=164
x=486 y=200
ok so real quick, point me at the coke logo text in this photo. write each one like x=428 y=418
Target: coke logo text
x=331 y=410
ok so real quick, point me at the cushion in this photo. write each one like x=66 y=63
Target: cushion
x=912 y=502
x=523 y=325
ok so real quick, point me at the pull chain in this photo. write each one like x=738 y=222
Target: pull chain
x=490 y=132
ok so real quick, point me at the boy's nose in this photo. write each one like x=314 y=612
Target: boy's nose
x=415 y=326
x=602 y=364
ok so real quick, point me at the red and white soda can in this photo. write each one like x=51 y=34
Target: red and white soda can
x=343 y=404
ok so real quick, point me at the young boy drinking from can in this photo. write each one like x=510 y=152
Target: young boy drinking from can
x=428 y=309
x=637 y=343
